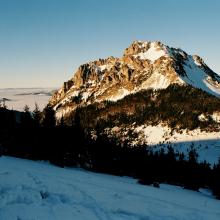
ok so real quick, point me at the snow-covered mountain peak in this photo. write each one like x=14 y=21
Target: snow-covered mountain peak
x=147 y=50
x=198 y=60
x=144 y=65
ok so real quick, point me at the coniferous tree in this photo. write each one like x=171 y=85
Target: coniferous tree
x=215 y=185
x=78 y=150
x=61 y=123
x=3 y=103
x=193 y=155
x=49 y=119
x=26 y=118
x=192 y=170
x=37 y=115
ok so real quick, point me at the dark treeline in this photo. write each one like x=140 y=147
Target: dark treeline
x=180 y=107
x=35 y=135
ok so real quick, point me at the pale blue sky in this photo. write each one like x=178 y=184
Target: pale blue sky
x=42 y=42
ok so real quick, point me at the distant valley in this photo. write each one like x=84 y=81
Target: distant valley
x=17 y=98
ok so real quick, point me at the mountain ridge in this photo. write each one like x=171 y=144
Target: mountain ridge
x=143 y=65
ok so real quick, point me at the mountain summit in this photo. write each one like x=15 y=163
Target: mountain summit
x=153 y=95
x=144 y=65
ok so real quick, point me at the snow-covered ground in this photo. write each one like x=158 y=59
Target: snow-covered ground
x=39 y=191
x=207 y=144
x=16 y=99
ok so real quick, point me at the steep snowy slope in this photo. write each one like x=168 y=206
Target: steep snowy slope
x=32 y=190
x=199 y=75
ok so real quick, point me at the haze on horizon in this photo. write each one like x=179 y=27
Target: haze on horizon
x=42 y=42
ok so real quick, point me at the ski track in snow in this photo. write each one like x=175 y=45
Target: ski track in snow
x=39 y=191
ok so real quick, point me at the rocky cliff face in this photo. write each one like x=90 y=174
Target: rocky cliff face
x=144 y=65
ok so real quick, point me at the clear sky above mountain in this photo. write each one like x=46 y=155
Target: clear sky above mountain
x=42 y=42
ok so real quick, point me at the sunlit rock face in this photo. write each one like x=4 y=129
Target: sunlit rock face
x=143 y=65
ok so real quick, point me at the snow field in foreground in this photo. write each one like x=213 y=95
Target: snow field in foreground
x=38 y=191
